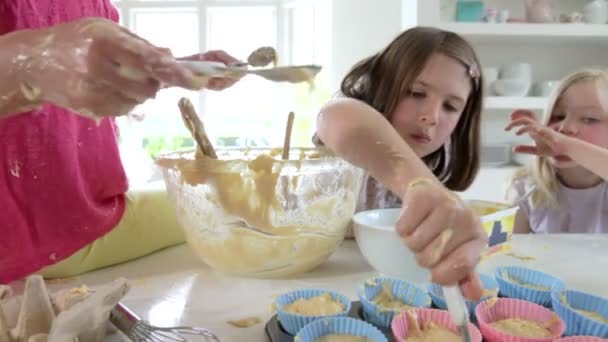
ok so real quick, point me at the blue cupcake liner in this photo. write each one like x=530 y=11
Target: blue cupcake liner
x=339 y=326
x=528 y=276
x=577 y=323
x=407 y=292
x=291 y=322
x=489 y=283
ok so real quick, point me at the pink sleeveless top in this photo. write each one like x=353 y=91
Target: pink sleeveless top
x=62 y=183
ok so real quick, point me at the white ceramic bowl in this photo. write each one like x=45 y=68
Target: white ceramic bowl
x=383 y=249
x=516 y=71
x=511 y=87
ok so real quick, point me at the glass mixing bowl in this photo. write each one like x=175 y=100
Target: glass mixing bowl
x=252 y=214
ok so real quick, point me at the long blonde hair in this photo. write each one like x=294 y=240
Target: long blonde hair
x=542 y=172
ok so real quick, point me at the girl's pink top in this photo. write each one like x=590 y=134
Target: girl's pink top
x=62 y=183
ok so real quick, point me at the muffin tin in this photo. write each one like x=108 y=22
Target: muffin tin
x=341 y=326
x=276 y=333
x=293 y=322
x=406 y=292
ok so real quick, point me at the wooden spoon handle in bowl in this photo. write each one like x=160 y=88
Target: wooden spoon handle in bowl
x=287 y=140
x=196 y=127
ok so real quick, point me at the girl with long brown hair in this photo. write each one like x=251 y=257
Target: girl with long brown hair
x=410 y=115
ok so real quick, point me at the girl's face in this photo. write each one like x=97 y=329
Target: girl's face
x=428 y=114
x=580 y=112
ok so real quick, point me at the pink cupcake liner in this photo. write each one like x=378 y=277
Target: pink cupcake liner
x=490 y=311
x=581 y=339
x=441 y=318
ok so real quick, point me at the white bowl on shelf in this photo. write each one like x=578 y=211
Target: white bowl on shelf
x=511 y=87
x=516 y=71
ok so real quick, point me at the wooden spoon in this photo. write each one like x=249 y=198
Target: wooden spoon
x=291 y=200
x=197 y=129
x=287 y=140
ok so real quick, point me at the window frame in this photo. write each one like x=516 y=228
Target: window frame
x=285 y=33
x=283 y=28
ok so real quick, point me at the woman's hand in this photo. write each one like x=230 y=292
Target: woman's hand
x=215 y=83
x=93 y=67
x=445 y=236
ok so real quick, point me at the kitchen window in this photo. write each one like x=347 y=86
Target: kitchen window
x=254 y=111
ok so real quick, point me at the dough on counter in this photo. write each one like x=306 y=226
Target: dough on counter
x=321 y=305
x=522 y=328
x=385 y=300
x=520 y=257
x=593 y=315
x=245 y=322
x=343 y=338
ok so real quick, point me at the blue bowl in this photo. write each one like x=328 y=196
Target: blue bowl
x=489 y=284
x=564 y=304
x=339 y=326
x=405 y=291
x=510 y=277
x=292 y=322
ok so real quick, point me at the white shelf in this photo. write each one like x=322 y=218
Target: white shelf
x=530 y=33
x=510 y=102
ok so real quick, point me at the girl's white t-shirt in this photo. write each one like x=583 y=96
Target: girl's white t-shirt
x=579 y=210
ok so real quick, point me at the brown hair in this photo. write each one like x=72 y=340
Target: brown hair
x=383 y=79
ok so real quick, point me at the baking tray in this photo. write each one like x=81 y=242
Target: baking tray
x=275 y=333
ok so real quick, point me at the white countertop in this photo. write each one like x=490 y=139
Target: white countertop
x=173 y=287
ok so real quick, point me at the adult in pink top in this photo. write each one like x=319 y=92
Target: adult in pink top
x=62 y=184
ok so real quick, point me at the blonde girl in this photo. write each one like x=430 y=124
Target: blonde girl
x=567 y=183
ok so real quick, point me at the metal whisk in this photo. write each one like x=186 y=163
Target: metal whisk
x=141 y=331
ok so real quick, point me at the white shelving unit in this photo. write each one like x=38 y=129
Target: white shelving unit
x=512 y=102
x=546 y=34
x=553 y=50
